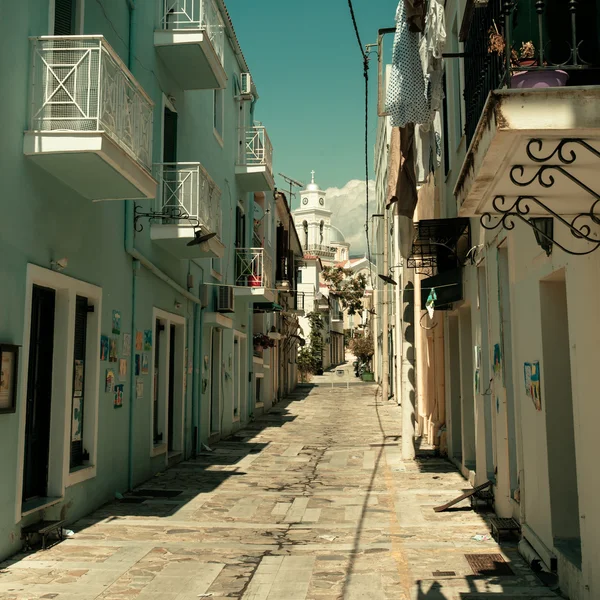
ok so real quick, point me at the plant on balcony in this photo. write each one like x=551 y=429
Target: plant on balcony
x=261 y=340
x=347 y=286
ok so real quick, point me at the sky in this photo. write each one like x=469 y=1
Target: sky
x=307 y=66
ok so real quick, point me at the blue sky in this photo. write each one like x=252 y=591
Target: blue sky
x=305 y=61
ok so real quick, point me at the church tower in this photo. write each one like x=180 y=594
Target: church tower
x=313 y=222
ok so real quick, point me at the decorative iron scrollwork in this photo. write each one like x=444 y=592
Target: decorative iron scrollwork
x=173 y=213
x=584 y=226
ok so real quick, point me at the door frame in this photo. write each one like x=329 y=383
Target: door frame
x=59 y=475
x=179 y=392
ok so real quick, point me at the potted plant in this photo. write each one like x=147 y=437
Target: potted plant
x=523 y=62
x=261 y=341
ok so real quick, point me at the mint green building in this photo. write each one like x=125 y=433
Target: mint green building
x=137 y=240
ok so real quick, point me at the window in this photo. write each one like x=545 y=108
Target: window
x=218 y=113
x=66 y=17
x=457 y=100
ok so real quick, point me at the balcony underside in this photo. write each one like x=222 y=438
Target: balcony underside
x=254 y=294
x=190 y=57
x=91 y=163
x=503 y=143
x=255 y=178
x=174 y=239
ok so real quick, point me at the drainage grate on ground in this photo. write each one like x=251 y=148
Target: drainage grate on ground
x=157 y=493
x=488 y=565
x=444 y=573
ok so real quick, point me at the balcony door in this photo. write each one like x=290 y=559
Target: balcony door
x=169 y=134
x=66 y=17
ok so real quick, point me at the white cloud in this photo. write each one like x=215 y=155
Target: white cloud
x=348 y=207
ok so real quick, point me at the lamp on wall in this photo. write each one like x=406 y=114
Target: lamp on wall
x=387 y=279
x=200 y=239
x=543 y=228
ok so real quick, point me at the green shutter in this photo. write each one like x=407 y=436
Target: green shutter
x=64 y=17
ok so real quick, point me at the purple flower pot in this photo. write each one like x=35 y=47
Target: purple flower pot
x=538 y=79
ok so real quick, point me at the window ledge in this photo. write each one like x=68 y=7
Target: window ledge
x=37 y=504
x=218 y=138
x=216 y=275
x=81 y=474
x=158 y=450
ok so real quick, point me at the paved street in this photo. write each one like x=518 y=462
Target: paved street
x=312 y=501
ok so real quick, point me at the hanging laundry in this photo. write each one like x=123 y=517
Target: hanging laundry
x=430 y=51
x=406 y=100
x=402 y=184
x=415 y=15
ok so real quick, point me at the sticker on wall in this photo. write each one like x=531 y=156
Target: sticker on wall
x=148 y=340
x=119 y=395
x=126 y=344
x=139 y=388
x=78 y=379
x=103 y=347
x=532 y=383
x=478 y=357
x=116 y=322
x=109 y=381
x=76 y=422
x=113 y=351
x=122 y=369
x=138 y=364
x=145 y=364
x=139 y=340
x=497 y=359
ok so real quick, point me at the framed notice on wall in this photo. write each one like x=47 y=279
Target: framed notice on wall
x=9 y=366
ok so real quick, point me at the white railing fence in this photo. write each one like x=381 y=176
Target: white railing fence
x=195 y=14
x=186 y=189
x=81 y=84
x=253 y=267
x=256 y=149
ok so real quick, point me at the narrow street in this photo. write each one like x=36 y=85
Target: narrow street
x=311 y=501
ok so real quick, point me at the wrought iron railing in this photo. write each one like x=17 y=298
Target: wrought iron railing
x=299 y=301
x=256 y=149
x=253 y=268
x=80 y=84
x=321 y=250
x=186 y=191
x=563 y=34
x=195 y=14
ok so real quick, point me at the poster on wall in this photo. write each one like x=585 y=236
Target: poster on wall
x=109 y=381
x=477 y=382
x=122 y=369
x=113 y=351
x=145 y=364
x=119 y=395
x=126 y=344
x=103 y=347
x=147 y=340
x=78 y=379
x=478 y=357
x=76 y=422
x=139 y=343
x=139 y=388
x=116 y=321
x=138 y=364
x=497 y=359
x=531 y=373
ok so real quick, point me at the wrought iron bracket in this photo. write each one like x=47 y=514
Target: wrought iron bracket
x=584 y=226
x=176 y=214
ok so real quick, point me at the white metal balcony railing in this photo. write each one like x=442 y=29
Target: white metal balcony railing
x=195 y=14
x=257 y=149
x=253 y=267
x=321 y=250
x=187 y=190
x=79 y=83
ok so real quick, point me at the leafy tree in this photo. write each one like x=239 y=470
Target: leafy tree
x=310 y=357
x=347 y=286
x=362 y=348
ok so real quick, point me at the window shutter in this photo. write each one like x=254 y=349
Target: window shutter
x=64 y=17
x=81 y=313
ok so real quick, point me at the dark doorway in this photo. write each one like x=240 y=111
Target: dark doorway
x=170 y=136
x=171 y=385
x=158 y=436
x=39 y=393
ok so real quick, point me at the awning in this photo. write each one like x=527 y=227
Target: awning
x=440 y=244
x=267 y=307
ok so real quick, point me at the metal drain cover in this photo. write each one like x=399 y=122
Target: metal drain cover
x=444 y=573
x=488 y=565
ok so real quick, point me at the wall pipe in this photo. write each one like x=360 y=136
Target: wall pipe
x=138 y=258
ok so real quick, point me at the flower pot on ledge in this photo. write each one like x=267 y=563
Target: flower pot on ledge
x=254 y=280
x=538 y=79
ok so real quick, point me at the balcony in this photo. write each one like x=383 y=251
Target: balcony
x=190 y=39
x=254 y=168
x=254 y=275
x=90 y=122
x=533 y=145
x=321 y=250
x=188 y=199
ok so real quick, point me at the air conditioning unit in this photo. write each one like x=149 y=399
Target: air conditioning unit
x=245 y=84
x=225 y=299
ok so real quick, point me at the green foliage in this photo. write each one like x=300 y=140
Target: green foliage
x=263 y=340
x=310 y=357
x=347 y=286
x=362 y=348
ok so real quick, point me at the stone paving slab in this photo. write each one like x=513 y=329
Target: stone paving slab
x=311 y=502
